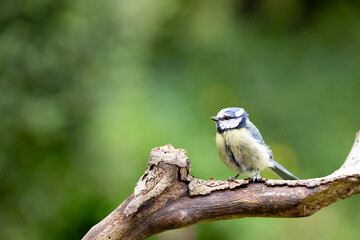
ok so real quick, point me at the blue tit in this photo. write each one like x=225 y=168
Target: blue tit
x=241 y=146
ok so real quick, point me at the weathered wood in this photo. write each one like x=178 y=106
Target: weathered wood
x=167 y=197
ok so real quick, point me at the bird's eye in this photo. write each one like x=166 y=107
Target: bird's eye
x=226 y=117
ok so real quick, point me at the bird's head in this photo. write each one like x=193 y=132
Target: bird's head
x=230 y=118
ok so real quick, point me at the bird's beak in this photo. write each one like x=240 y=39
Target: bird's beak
x=215 y=118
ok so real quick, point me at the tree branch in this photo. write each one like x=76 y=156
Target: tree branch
x=167 y=197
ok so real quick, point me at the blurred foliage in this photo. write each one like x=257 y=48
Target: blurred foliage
x=87 y=88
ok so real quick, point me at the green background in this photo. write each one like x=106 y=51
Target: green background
x=88 y=88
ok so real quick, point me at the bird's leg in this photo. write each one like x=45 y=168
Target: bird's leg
x=233 y=178
x=257 y=177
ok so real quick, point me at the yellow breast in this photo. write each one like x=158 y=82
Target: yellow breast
x=241 y=152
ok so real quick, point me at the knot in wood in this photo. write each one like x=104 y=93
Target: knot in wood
x=168 y=154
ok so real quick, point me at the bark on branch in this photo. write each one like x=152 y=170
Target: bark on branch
x=167 y=197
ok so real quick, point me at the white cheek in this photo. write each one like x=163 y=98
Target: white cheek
x=231 y=123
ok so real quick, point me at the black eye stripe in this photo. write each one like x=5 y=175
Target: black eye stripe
x=228 y=117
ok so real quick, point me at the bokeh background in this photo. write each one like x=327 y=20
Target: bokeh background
x=89 y=87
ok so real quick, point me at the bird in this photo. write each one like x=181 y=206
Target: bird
x=241 y=146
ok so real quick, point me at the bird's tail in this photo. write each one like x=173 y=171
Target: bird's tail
x=281 y=171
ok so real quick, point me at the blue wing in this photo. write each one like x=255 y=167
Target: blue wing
x=254 y=132
x=275 y=166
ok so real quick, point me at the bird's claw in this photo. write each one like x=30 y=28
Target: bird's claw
x=258 y=179
x=233 y=178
